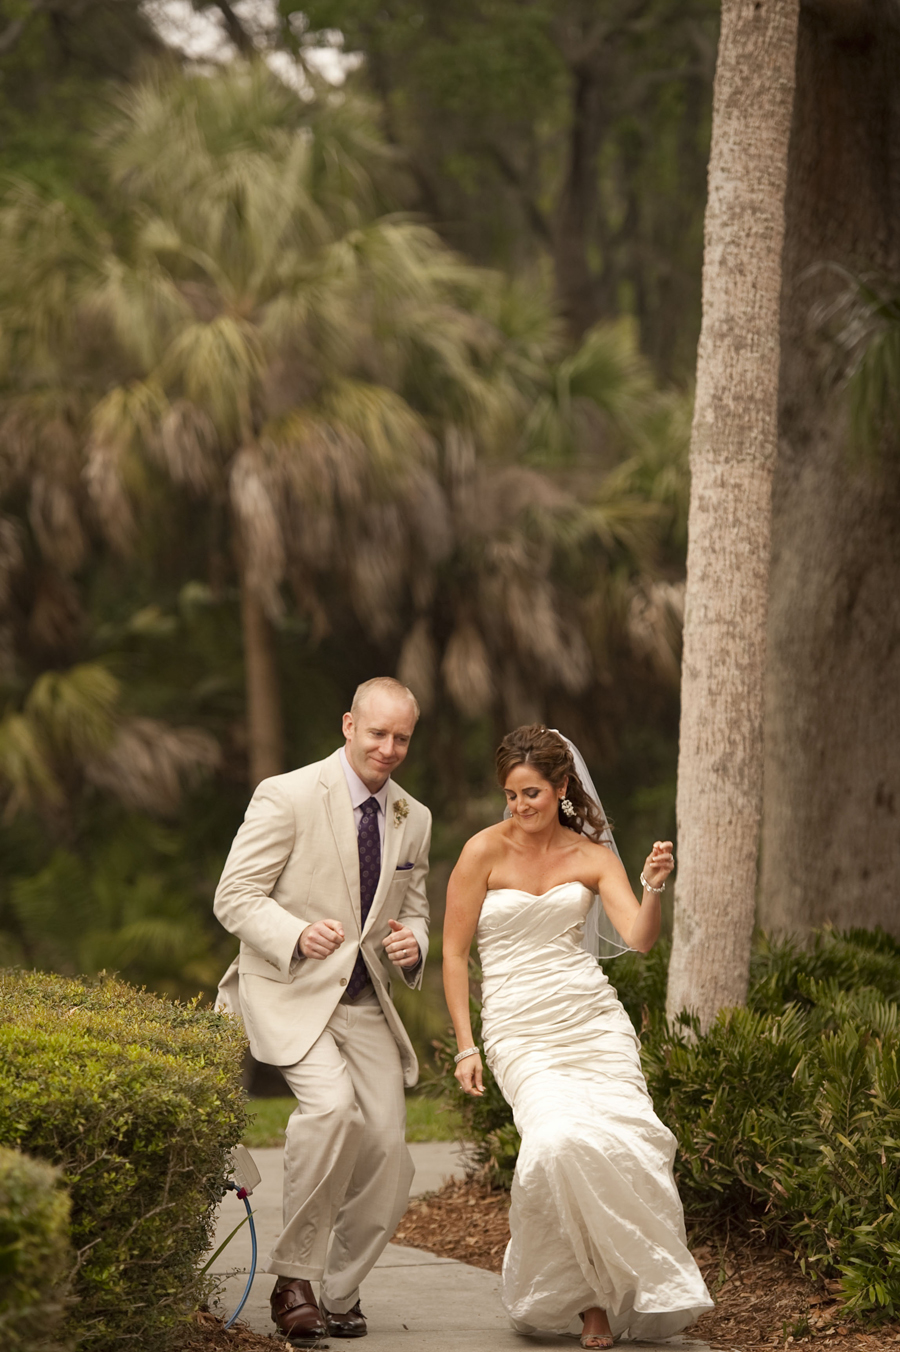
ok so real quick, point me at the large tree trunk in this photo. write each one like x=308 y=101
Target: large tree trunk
x=733 y=451
x=831 y=839
x=265 y=729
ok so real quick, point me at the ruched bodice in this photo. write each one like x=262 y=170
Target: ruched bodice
x=545 y=1001
x=595 y=1216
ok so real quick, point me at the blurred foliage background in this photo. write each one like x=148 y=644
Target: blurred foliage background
x=334 y=342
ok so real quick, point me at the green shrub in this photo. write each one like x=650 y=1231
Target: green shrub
x=789 y=1126
x=137 y=1100
x=851 y=958
x=640 y=982
x=35 y=1256
x=787 y=1112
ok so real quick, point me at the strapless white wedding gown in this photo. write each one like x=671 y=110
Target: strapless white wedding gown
x=595 y=1217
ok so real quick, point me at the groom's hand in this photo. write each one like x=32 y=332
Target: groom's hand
x=401 y=945
x=321 y=939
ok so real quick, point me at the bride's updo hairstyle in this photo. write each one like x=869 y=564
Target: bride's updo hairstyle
x=548 y=753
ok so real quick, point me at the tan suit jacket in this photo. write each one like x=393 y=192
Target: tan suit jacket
x=295 y=860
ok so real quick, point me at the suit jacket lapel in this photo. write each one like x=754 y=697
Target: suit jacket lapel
x=390 y=853
x=343 y=825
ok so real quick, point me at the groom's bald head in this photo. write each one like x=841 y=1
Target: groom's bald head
x=383 y=685
x=378 y=729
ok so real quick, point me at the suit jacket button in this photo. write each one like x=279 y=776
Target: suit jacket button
x=343 y=981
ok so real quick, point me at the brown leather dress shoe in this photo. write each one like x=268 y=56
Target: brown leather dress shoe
x=349 y=1325
x=296 y=1313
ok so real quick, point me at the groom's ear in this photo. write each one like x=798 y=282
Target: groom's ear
x=347 y=725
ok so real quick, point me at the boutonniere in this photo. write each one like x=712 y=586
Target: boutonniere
x=401 y=811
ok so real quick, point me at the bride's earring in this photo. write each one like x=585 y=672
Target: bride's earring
x=567 y=807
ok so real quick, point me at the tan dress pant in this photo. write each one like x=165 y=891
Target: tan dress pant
x=347 y=1171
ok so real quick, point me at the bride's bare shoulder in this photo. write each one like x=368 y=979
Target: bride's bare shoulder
x=599 y=855
x=485 y=846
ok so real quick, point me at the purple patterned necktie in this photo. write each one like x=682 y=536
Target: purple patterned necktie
x=369 y=872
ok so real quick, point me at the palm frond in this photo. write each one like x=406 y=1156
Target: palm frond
x=139 y=301
x=391 y=432
x=466 y=670
x=124 y=423
x=606 y=374
x=218 y=365
x=75 y=709
x=149 y=764
x=25 y=765
x=655 y=620
x=417 y=664
x=376 y=569
x=50 y=252
x=862 y=315
x=189 y=445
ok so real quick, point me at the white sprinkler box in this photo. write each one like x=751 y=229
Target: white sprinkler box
x=246 y=1174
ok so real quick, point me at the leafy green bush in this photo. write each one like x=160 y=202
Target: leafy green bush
x=35 y=1256
x=852 y=958
x=137 y=1100
x=789 y=1125
x=787 y=1112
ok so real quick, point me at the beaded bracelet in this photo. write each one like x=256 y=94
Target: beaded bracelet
x=461 y=1056
x=650 y=887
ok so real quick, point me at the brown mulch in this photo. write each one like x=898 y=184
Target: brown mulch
x=762 y=1299
x=208 y=1334
x=468 y=1221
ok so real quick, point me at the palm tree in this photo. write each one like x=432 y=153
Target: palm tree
x=275 y=321
x=347 y=404
x=61 y=724
x=546 y=542
x=733 y=453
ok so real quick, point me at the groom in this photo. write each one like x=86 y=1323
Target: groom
x=325 y=887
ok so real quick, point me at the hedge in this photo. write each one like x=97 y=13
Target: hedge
x=35 y=1256
x=137 y=1100
x=787 y=1112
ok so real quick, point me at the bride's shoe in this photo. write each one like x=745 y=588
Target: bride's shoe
x=595 y=1342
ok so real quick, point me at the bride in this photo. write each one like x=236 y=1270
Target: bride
x=596 y=1224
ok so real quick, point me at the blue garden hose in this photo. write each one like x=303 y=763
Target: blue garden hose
x=244 y=1196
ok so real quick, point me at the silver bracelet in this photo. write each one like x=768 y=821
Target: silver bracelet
x=461 y=1056
x=650 y=887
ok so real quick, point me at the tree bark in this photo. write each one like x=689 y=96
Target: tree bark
x=733 y=452
x=831 y=833
x=576 y=283
x=265 y=727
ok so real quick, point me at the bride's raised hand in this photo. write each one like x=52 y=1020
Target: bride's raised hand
x=469 y=1075
x=659 y=863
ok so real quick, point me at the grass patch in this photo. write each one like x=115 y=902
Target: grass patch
x=429 y=1119
x=266 y=1121
x=426 y=1120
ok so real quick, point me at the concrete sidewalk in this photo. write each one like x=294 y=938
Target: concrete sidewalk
x=414 y=1302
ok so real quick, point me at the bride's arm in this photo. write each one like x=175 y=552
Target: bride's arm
x=465 y=894
x=637 y=921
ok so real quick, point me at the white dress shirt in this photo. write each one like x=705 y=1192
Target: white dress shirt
x=360 y=794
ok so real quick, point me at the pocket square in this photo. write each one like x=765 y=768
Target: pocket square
x=401 y=867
